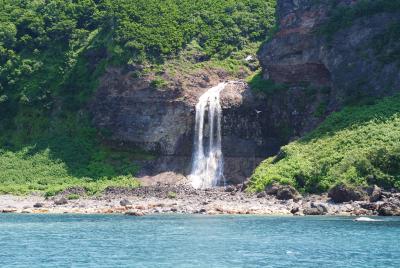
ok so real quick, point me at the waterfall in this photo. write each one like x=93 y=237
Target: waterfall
x=208 y=165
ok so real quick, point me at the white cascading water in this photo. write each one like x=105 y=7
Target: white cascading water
x=208 y=163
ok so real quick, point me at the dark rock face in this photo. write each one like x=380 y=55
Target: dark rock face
x=346 y=62
x=135 y=114
x=341 y=193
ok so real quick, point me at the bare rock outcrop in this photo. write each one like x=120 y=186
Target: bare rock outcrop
x=346 y=61
x=132 y=112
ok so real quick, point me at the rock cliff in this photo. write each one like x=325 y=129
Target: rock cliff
x=161 y=120
x=348 y=60
x=322 y=73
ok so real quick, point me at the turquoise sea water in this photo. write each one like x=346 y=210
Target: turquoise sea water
x=196 y=241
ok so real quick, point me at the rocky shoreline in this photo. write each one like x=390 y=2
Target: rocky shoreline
x=164 y=199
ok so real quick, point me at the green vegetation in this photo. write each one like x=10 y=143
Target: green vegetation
x=193 y=59
x=73 y=197
x=171 y=195
x=259 y=84
x=343 y=17
x=359 y=145
x=52 y=54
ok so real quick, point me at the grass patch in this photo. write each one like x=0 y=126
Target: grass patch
x=73 y=196
x=359 y=145
x=268 y=87
x=47 y=155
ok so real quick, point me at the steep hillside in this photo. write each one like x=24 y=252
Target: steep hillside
x=359 y=145
x=348 y=52
x=53 y=53
x=95 y=93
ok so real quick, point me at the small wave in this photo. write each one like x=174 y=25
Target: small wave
x=365 y=219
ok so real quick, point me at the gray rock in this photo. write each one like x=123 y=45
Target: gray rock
x=230 y=188
x=286 y=192
x=61 y=201
x=135 y=213
x=342 y=193
x=38 y=205
x=298 y=54
x=369 y=206
x=312 y=211
x=272 y=189
x=316 y=209
x=295 y=210
x=322 y=208
x=125 y=202
x=386 y=194
x=389 y=209
x=261 y=195
x=8 y=210
x=375 y=193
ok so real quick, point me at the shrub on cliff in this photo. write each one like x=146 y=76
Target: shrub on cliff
x=357 y=146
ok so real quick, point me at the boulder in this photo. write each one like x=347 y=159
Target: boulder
x=286 y=192
x=389 y=209
x=61 y=201
x=369 y=206
x=202 y=210
x=135 y=213
x=386 y=194
x=38 y=205
x=323 y=208
x=125 y=202
x=312 y=211
x=375 y=193
x=342 y=193
x=316 y=209
x=282 y=192
x=272 y=189
x=295 y=210
x=9 y=210
x=230 y=188
x=261 y=194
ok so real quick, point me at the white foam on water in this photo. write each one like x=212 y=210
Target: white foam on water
x=365 y=219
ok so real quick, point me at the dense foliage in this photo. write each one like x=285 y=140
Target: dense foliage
x=359 y=145
x=52 y=53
